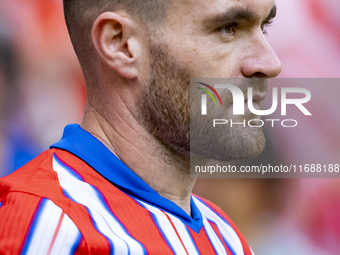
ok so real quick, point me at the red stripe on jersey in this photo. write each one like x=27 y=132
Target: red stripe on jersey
x=202 y=242
x=215 y=228
x=56 y=232
x=219 y=211
x=14 y=227
x=82 y=249
x=135 y=218
x=179 y=237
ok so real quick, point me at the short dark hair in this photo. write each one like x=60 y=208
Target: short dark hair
x=80 y=15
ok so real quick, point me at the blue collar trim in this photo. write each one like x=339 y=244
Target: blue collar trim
x=85 y=146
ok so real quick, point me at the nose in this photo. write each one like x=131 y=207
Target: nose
x=260 y=59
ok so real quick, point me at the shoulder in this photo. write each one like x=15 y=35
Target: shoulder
x=33 y=211
x=40 y=177
x=31 y=178
x=37 y=215
x=35 y=225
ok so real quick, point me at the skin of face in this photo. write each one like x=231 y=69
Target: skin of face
x=215 y=39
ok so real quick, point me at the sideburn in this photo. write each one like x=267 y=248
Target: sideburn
x=164 y=105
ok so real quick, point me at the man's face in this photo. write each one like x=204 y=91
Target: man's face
x=221 y=38
x=206 y=39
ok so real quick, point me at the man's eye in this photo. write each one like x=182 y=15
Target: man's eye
x=228 y=29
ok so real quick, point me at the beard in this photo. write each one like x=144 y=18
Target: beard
x=164 y=111
x=164 y=106
x=226 y=142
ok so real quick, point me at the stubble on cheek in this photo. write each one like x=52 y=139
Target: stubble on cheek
x=164 y=105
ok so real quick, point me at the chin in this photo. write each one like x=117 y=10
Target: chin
x=234 y=143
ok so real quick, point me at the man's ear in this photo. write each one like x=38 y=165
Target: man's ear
x=112 y=37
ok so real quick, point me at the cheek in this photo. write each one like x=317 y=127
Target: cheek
x=223 y=61
x=210 y=61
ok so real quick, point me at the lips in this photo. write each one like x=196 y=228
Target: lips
x=258 y=97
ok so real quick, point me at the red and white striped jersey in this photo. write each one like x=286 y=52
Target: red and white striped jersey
x=78 y=198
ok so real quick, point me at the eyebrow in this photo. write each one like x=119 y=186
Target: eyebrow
x=237 y=14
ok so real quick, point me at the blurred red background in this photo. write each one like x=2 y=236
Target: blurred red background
x=42 y=90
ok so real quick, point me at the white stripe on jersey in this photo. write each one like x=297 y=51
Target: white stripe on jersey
x=45 y=228
x=226 y=230
x=169 y=233
x=105 y=222
x=63 y=243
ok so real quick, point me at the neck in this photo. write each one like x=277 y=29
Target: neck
x=168 y=174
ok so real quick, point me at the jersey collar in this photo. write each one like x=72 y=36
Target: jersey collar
x=88 y=148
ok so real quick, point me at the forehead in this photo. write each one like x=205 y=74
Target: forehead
x=188 y=10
